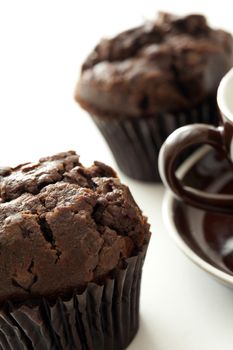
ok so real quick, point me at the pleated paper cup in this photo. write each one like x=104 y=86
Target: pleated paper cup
x=102 y=317
x=135 y=142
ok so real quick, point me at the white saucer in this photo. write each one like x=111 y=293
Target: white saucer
x=211 y=249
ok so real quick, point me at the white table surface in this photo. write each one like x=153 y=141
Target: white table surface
x=42 y=44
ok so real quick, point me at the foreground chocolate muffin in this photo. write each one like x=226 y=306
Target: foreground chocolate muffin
x=72 y=246
x=147 y=81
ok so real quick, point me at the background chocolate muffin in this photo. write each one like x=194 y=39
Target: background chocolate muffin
x=147 y=81
x=72 y=245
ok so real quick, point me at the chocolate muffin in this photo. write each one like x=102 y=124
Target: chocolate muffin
x=147 y=81
x=72 y=246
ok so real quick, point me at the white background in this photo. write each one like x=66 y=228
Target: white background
x=42 y=45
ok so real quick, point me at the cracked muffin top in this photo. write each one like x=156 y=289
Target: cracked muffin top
x=167 y=65
x=63 y=225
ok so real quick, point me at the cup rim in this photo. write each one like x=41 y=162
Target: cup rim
x=221 y=95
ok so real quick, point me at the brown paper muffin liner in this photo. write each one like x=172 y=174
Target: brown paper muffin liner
x=135 y=142
x=103 y=317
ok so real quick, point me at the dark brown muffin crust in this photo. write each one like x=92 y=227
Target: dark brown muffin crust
x=63 y=225
x=167 y=65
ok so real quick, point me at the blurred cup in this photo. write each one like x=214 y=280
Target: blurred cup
x=220 y=138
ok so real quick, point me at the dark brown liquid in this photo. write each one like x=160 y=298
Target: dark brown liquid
x=208 y=234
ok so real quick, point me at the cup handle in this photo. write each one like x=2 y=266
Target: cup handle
x=176 y=143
